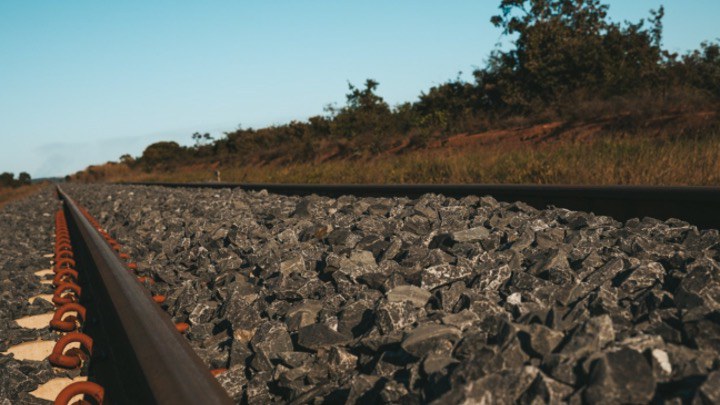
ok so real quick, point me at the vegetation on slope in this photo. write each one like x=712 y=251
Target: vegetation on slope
x=568 y=63
x=587 y=156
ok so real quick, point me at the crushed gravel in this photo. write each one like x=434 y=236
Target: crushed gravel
x=393 y=300
x=26 y=229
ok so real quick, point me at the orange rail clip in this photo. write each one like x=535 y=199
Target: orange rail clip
x=64 y=261
x=68 y=324
x=81 y=387
x=65 y=275
x=59 y=299
x=59 y=359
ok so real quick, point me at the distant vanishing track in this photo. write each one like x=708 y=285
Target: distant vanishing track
x=698 y=205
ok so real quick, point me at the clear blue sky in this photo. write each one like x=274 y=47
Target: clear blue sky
x=83 y=81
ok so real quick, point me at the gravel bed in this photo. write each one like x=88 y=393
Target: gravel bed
x=380 y=300
x=26 y=228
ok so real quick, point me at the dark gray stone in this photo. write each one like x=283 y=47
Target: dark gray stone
x=427 y=336
x=471 y=235
x=270 y=339
x=590 y=337
x=416 y=295
x=442 y=274
x=623 y=376
x=539 y=340
x=320 y=336
x=709 y=392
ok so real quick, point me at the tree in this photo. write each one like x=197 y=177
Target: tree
x=7 y=179
x=162 y=154
x=202 y=139
x=24 y=178
x=127 y=159
x=444 y=106
x=562 y=46
x=365 y=114
x=365 y=99
x=701 y=68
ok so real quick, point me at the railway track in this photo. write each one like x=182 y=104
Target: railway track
x=138 y=355
x=696 y=205
x=287 y=318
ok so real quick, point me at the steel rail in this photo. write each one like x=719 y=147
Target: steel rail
x=138 y=355
x=699 y=206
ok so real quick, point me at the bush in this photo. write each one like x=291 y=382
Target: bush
x=162 y=155
x=7 y=180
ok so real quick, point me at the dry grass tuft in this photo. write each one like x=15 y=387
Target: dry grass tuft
x=632 y=161
x=10 y=194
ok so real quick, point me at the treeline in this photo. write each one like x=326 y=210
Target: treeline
x=8 y=180
x=567 y=61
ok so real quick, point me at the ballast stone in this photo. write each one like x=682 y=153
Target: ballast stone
x=27 y=226
x=418 y=296
x=426 y=336
x=320 y=336
x=427 y=300
x=622 y=376
x=470 y=235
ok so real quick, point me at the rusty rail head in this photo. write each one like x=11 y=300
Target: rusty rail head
x=166 y=364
